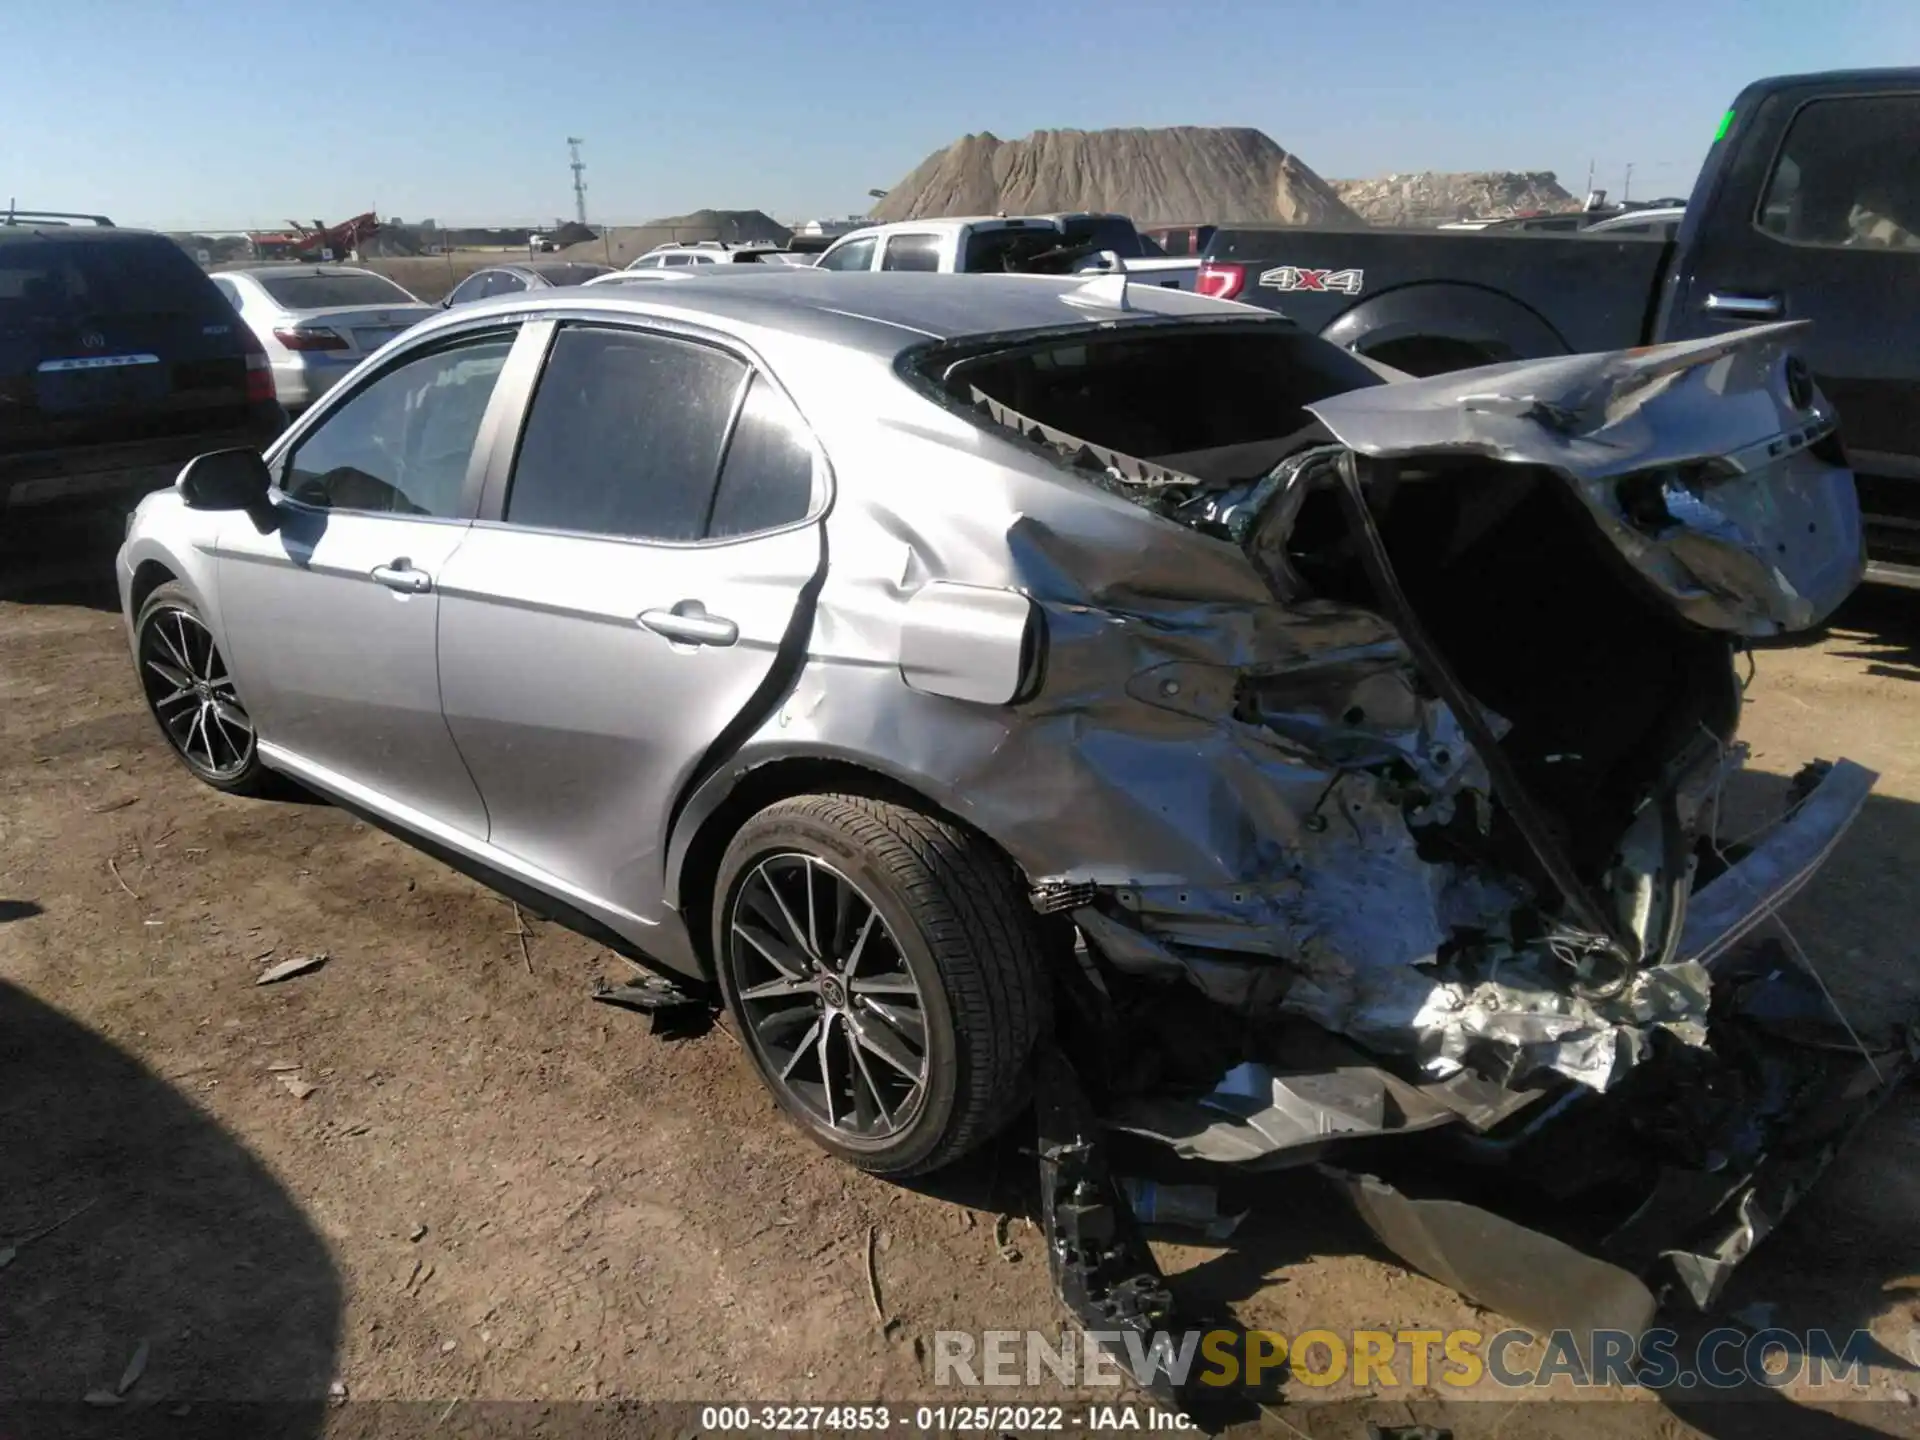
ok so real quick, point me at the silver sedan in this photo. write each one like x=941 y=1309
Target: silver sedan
x=915 y=658
x=317 y=322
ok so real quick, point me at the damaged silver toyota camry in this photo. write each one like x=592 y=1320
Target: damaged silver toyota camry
x=1008 y=687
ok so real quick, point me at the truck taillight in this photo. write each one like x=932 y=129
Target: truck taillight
x=259 y=369
x=317 y=338
x=1221 y=282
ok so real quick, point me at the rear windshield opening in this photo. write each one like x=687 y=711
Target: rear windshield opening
x=318 y=289
x=1220 y=405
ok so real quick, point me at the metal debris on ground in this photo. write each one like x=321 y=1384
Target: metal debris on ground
x=676 y=1013
x=296 y=1087
x=287 y=969
x=136 y=1367
x=1002 y=1238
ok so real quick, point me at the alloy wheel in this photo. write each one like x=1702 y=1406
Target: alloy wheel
x=192 y=695
x=825 y=990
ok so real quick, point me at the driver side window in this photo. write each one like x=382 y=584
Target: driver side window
x=400 y=446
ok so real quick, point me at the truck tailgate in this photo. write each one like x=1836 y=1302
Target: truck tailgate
x=1592 y=293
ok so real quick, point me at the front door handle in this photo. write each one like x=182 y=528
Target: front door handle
x=1744 y=307
x=401 y=576
x=689 y=623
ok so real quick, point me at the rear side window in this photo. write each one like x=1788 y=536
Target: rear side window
x=316 y=289
x=60 y=283
x=912 y=252
x=1846 y=176
x=767 y=480
x=625 y=436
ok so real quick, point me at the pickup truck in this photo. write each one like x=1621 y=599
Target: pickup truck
x=1019 y=244
x=1807 y=208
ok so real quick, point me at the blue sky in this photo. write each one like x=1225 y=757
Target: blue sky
x=193 y=114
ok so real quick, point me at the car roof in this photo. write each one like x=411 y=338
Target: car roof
x=295 y=268
x=83 y=234
x=881 y=312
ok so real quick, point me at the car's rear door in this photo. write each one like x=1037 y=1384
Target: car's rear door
x=331 y=618
x=639 y=572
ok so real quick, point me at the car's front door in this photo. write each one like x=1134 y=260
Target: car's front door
x=625 y=598
x=1835 y=239
x=331 y=618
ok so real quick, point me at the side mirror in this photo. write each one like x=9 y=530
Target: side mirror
x=230 y=480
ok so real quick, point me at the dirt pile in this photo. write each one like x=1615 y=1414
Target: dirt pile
x=1434 y=197
x=1184 y=173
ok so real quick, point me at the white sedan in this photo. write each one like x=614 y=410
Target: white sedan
x=318 y=321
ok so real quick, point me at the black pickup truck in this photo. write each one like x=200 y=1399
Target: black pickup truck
x=1807 y=208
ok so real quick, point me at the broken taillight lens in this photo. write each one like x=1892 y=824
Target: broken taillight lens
x=1220 y=281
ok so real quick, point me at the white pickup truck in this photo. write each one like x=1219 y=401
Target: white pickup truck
x=1021 y=244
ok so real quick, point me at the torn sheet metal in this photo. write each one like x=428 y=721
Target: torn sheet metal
x=1262 y=1119
x=1701 y=461
x=1518 y=1009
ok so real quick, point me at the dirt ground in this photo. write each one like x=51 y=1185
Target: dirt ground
x=496 y=1189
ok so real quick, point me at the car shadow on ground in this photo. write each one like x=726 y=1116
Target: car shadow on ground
x=145 y=1250
x=1879 y=628
x=62 y=557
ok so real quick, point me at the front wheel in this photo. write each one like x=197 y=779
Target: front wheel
x=191 y=695
x=886 y=975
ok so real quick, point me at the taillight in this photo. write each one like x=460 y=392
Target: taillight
x=316 y=338
x=1220 y=282
x=259 y=369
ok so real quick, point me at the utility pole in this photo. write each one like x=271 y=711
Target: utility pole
x=579 y=168
x=1626 y=187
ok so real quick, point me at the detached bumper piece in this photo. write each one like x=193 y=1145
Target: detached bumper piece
x=1101 y=1267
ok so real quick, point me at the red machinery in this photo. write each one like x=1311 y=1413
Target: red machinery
x=319 y=241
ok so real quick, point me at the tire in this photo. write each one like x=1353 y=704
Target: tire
x=934 y=907
x=205 y=724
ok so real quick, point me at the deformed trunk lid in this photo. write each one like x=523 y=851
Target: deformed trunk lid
x=1711 y=465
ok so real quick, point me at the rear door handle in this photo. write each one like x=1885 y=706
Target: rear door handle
x=401 y=576
x=1746 y=307
x=689 y=623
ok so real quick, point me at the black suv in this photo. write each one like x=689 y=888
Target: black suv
x=119 y=362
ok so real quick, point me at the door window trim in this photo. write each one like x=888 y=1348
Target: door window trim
x=1779 y=153
x=504 y=449
x=485 y=438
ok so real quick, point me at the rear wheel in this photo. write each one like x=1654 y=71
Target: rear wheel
x=886 y=975
x=191 y=695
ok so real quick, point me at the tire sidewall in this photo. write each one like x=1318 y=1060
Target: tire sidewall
x=770 y=834
x=173 y=596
